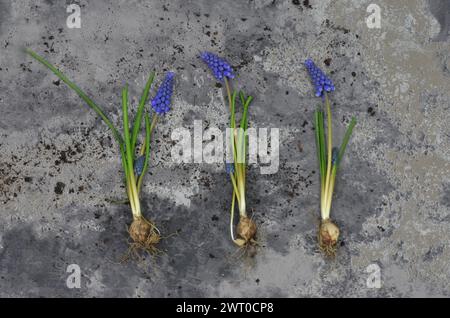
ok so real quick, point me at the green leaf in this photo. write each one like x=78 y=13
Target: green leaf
x=126 y=132
x=117 y=136
x=233 y=110
x=148 y=133
x=242 y=97
x=233 y=124
x=140 y=110
x=317 y=134
x=246 y=103
x=80 y=93
x=347 y=135
x=242 y=140
x=322 y=147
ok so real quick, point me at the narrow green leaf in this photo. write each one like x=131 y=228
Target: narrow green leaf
x=80 y=93
x=126 y=131
x=140 y=110
x=244 y=124
x=322 y=147
x=246 y=104
x=233 y=110
x=242 y=97
x=148 y=134
x=117 y=136
x=317 y=134
x=233 y=125
x=347 y=135
x=242 y=140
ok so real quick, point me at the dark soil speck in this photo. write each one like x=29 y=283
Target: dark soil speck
x=59 y=188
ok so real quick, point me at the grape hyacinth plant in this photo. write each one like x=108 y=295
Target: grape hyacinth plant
x=246 y=228
x=143 y=232
x=329 y=157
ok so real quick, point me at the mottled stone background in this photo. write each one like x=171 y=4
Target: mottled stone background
x=58 y=163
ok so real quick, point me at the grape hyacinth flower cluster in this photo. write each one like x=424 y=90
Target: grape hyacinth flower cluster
x=334 y=155
x=161 y=102
x=220 y=68
x=322 y=83
x=229 y=167
x=139 y=165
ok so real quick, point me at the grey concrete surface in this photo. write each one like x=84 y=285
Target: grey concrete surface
x=58 y=163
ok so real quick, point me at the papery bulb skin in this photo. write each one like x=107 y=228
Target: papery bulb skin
x=143 y=233
x=246 y=229
x=328 y=237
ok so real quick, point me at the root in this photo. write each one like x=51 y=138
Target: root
x=329 y=250
x=135 y=251
x=246 y=229
x=328 y=237
x=137 y=254
x=244 y=252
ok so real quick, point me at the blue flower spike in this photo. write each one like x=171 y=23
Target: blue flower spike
x=322 y=83
x=161 y=102
x=220 y=68
x=139 y=165
x=229 y=167
x=334 y=155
